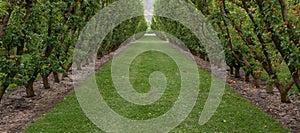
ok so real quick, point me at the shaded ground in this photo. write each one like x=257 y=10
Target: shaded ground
x=288 y=114
x=16 y=111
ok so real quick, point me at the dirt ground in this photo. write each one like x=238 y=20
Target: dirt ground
x=17 y=111
x=288 y=114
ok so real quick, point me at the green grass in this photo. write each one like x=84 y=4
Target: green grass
x=235 y=114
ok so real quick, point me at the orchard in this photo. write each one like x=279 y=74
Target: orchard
x=38 y=36
x=259 y=38
x=256 y=36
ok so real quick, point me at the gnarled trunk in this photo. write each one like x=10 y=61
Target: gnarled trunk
x=67 y=68
x=29 y=88
x=237 y=72
x=56 y=77
x=284 y=97
x=284 y=89
x=45 y=82
x=296 y=78
x=269 y=89
x=231 y=70
x=256 y=80
x=2 y=91
x=247 y=77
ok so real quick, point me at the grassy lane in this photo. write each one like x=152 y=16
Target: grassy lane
x=235 y=114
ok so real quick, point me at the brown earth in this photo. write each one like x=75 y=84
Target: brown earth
x=17 y=111
x=288 y=114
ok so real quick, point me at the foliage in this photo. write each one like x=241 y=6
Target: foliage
x=45 y=32
x=256 y=35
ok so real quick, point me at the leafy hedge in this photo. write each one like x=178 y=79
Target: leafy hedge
x=256 y=35
x=37 y=38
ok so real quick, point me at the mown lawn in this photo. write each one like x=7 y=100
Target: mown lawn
x=235 y=114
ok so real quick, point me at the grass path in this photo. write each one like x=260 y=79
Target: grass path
x=235 y=114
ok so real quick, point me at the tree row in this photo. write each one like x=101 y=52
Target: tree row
x=37 y=38
x=257 y=36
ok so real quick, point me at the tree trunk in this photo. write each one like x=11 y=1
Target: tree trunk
x=87 y=62
x=78 y=66
x=284 y=89
x=67 y=68
x=29 y=88
x=65 y=74
x=231 y=70
x=296 y=80
x=269 y=88
x=256 y=81
x=45 y=82
x=56 y=77
x=247 y=77
x=237 y=72
x=6 y=18
x=2 y=91
x=284 y=97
